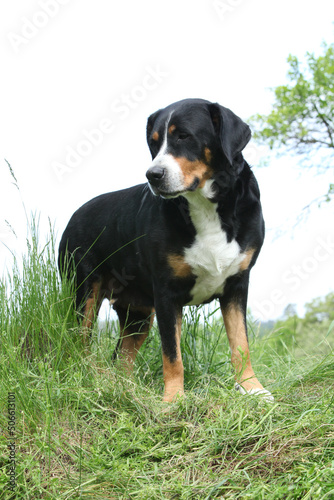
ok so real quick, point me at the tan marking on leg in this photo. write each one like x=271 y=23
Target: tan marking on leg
x=247 y=260
x=194 y=169
x=133 y=340
x=181 y=268
x=240 y=357
x=91 y=309
x=155 y=136
x=173 y=371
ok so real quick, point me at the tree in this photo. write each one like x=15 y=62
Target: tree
x=313 y=334
x=302 y=118
x=290 y=311
x=320 y=309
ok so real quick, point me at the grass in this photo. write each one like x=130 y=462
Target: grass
x=85 y=430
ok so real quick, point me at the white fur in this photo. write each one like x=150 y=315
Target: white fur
x=163 y=149
x=211 y=257
x=167 y=161
x=173 y=171
x=266 y=395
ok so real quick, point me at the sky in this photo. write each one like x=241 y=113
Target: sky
x=80 y=78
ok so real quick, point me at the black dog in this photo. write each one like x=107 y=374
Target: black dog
x=188 y=236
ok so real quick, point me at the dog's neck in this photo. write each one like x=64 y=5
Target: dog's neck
x=209 y=211
x=202 y=209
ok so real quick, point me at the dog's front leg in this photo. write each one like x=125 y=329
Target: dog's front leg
x=169 y=320
x=236 y=329
x=235 y=324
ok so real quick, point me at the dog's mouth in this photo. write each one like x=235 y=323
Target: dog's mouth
x=166 y=193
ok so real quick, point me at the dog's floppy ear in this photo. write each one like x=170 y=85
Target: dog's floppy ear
x=233 y=133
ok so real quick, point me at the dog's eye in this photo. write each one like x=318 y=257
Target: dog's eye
x=182 y=136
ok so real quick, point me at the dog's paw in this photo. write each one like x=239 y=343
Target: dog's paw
x=265 y=395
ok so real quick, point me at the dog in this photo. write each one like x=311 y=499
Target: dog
x=189 y=235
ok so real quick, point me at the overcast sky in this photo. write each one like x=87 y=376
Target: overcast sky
x=80 y=78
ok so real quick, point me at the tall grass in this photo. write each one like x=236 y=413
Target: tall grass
x=85 y=430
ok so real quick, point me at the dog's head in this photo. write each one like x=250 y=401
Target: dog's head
x=192 y=141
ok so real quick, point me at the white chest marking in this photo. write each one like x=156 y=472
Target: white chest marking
x=211 y=257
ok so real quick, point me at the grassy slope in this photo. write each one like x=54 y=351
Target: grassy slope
x=85 y=430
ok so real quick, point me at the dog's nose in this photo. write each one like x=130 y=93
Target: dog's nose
x=155 y=174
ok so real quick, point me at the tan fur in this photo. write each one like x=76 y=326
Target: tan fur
x=173 y=372
x=132 y=341
x=91 y=309
x=240 y=357
x=180 y=267
x=171 y=129
x=208 y=155
x=247 y=260
x=192 y=169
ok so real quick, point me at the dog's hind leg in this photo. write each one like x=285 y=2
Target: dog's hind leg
x=89 y=310
x=134 y=327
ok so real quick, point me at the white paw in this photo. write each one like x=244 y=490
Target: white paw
x=265 y=395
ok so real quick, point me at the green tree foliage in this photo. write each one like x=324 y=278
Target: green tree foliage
x=302 y=117
x=320 y=310
x=313 y=332
x=303 y=114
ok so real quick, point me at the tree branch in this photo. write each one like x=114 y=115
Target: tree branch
x=327 y=125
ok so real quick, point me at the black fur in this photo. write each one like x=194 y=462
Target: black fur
x=121 y=240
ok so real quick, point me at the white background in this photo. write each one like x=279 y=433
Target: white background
x=70 y=67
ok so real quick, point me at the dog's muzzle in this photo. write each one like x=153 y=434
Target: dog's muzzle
x=165 y=177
